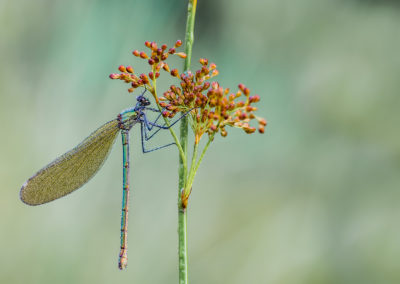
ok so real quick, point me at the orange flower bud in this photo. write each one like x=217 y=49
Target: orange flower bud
x=153 y=46
x=203 y=61
x=164 y=56
x=243 y=116
x=114 y=76
x=178 y=43
x=166 y=67
x=214 y=73
x=181 y=54
x=174 y=72
x=249 y=130
x=254 y=99
x=143 y=55
x=240 y=104
x=144 y=78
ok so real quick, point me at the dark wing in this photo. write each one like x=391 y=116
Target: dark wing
x=73 y=169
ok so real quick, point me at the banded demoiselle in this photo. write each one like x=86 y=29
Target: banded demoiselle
x=76 y=167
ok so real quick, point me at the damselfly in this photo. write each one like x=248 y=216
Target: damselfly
x=76 y=167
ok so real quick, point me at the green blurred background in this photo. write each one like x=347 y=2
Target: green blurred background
x=314 y=200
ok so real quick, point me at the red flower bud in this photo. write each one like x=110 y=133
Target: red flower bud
x=178 y=43
x=153 y=46
x=114 y=76
x=249 y=130
x=181 y=54
x=203 y=61
x=254 y=99
x=240 y=104
x=174 y=72
x=143 y=55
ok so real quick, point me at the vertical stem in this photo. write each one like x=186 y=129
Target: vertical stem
x=182 y=214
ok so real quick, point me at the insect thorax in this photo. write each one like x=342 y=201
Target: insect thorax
x=127 y=119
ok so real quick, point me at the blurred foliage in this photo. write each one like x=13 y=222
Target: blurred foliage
x=314 y=200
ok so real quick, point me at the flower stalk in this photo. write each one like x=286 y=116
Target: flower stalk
x=182 y=172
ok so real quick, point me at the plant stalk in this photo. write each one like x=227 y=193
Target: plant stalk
x=182 y=213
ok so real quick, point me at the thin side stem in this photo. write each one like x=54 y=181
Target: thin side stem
x=182 y=154
x=202 y=153
x=195 y=166
x=192 y=172
x=182 y=215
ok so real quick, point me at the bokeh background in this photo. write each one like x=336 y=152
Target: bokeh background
x=313 y=200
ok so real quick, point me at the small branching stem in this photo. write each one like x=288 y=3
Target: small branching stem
x=182 y=154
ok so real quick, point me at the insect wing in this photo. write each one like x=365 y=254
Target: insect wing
x=71 y=170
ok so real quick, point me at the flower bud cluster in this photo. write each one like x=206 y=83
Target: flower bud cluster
x=211 y=107
x=156 y=59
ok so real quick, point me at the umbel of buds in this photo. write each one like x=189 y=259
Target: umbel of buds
x=210 y=107
x=157 y=58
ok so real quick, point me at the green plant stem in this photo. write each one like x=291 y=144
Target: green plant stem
x=182 y=214
x=192 y=171
x=210 y=139
x=183 y=260
x=195 y=166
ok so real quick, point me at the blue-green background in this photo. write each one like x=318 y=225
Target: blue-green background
x=313 y=200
